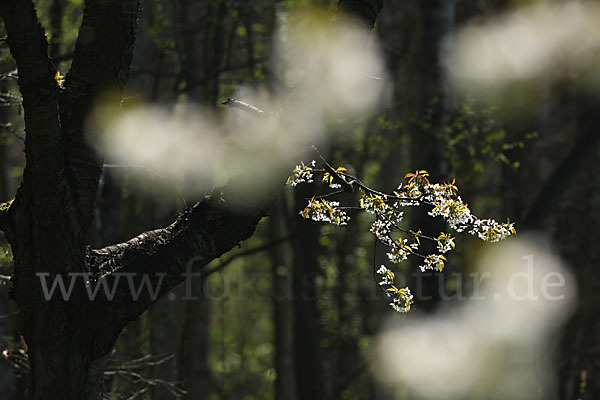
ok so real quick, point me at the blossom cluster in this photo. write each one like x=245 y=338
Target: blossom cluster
x=330 y=179
x=445 y=242
x=387 y=276
x=381 y=229
x=433 y=262
x=388 y=216
x=448 y=205
x=455 y=212
x=302 y=173
x=490 y=230
x=373 y=203
x=401 y=298
x=326 y=211
x=400 y=250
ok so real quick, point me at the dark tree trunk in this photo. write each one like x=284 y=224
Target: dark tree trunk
x=435 y=20
x=48 y=222
x=194 y=348
x=283 y=311
x=307 y=329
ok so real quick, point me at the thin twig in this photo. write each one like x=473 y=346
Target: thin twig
x=9 y=95
x=249 y=108
x=254 y=250
x=134 y=166
x=10 y=75
x=5 y=316
x=337 y=177
x=7 y=127
x=326 y=195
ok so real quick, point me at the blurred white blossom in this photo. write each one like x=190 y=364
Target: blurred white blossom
x=529 y=45
x=496 y=344
x=327 y=68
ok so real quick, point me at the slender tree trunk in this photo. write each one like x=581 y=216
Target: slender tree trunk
x=194 y=346
x=307 y=330
x=285 y=385
x=436 y=18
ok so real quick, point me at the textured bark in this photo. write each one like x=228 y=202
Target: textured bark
x=49 y=222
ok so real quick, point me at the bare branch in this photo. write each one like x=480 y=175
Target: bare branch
x=131 y=371
x=9 y=75
x=249 y=108
x=7 y=127
x=561 y=177
x=248 y=252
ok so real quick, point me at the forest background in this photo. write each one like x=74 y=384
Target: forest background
x=294 y=312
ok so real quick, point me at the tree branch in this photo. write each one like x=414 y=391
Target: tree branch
x=587 y=143
x=199 y=235
x=249 y=108
x=44 y=173
x=248 y=252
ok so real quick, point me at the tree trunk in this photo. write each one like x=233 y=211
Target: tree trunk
x=283 y=313
x=307 y=329
x=435 y=20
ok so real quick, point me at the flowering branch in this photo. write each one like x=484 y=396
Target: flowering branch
x=441 y=199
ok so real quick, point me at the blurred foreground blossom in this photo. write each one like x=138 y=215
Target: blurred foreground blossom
x=528 y=46
x=328 y=72
x=496 y=344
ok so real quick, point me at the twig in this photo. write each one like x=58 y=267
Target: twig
x=5 y=316
x=249 y=108
x=322 y=196
x=10 y=75
x=254 y=250
x=7 y=127
x=138 y=393
x=9 y=95
x=129 y=371
x=557 y=184
x=336 y=176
